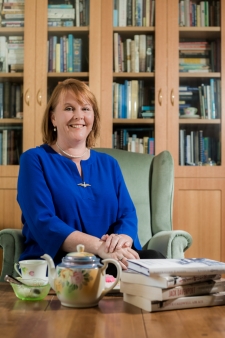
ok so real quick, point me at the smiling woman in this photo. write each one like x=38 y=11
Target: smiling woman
x=70 y=194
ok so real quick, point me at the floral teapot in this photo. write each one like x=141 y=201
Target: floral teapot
x=79 y=281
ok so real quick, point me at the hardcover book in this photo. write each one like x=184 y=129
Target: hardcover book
x=155 y=293
x=182 y=267
x=214 y=299
x=161 y=281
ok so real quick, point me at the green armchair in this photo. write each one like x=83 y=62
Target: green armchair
x=150 y=181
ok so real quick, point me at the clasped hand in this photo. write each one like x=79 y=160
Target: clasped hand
x=118 y=247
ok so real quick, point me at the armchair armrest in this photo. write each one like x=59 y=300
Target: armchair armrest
x=12 y=243
x=171 y=244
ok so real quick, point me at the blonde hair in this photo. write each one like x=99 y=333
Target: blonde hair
x=83 y=94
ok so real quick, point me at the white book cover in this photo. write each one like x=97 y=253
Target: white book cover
x=137 y=55
x=147 y=20
x=161 y=281
x=181 y=267
x=142 y=53
x=122 y=13
x=158 y=294
x=215 y=299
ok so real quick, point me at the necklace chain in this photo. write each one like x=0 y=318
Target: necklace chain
x=69 y=155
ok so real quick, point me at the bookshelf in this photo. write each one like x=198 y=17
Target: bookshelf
x=199 y=190
x=37 y=82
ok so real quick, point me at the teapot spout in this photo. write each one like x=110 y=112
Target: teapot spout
x=51 y=269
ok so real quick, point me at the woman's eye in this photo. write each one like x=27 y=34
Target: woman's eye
x=69 y=108
x=86 y=108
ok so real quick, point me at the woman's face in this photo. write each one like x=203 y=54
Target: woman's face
x=73 y=120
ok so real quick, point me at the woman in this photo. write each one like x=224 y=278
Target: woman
x=70 y=194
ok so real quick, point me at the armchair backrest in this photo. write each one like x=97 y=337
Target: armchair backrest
x=150 y=181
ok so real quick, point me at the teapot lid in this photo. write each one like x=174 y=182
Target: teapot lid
x=80 y=257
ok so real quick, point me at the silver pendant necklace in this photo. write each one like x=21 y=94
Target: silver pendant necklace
x=69 y=155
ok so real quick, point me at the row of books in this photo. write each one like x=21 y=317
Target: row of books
x=74 y=13
x=197 y=149
x=10 y=145
x=169 y=284
x=125 y=139
x=206 y=98
x=135 y=55
x=11 y=99
x=134 y=13
x=132 y=99
x=12 y=14
x=210 y=99
x=65 y=54
x=11 y=54
x=200 y=56
x=200 y=14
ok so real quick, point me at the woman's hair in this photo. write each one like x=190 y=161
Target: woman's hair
x=82 y=94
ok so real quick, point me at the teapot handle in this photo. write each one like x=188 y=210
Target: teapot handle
x=118 y=267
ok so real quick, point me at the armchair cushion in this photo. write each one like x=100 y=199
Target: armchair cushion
x=12 y=243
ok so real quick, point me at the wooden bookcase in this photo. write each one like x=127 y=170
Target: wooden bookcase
x=199 y=191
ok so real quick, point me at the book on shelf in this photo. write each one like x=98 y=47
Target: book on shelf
x=214 y=299
x=159 y=294
x=149 y=53
x=182 y=267
x=164 y=281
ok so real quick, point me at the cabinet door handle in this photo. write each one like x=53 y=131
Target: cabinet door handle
x=160 y=97
x=27 y=97
x=39 y=97
x=172 y=98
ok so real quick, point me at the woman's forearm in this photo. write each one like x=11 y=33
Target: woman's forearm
x=91 y=243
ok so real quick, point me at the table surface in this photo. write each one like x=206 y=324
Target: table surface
x=111 y=318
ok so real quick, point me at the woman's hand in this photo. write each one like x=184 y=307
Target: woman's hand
x=115 y=241
x=120 y=255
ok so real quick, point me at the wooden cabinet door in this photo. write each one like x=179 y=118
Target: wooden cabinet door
x=199 y=209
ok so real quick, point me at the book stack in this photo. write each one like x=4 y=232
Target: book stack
x=169 y=284
x=194 y=56
x=12 y=14
x=15 y=56
x=65 y=14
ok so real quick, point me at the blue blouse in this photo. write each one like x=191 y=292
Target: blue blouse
x=54 y=205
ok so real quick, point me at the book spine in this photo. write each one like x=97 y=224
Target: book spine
x=77 y=59
x=71 y=53
x=142 y=49
x=178 y=303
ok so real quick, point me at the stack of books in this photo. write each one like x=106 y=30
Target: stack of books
x=168 y=284
x=12 y=14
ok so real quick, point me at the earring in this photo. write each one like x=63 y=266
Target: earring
x=54 y=128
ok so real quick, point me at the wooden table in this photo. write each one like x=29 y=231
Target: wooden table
x=112 y=318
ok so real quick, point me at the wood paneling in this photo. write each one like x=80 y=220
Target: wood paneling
x=199 y=209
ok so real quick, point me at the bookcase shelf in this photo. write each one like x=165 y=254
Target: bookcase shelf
x=83 y=29
x=201 y=75
x=133 y=121
x=69 y=74
x=199 y=121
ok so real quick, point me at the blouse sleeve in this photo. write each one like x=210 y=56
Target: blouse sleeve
x=38 y=212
